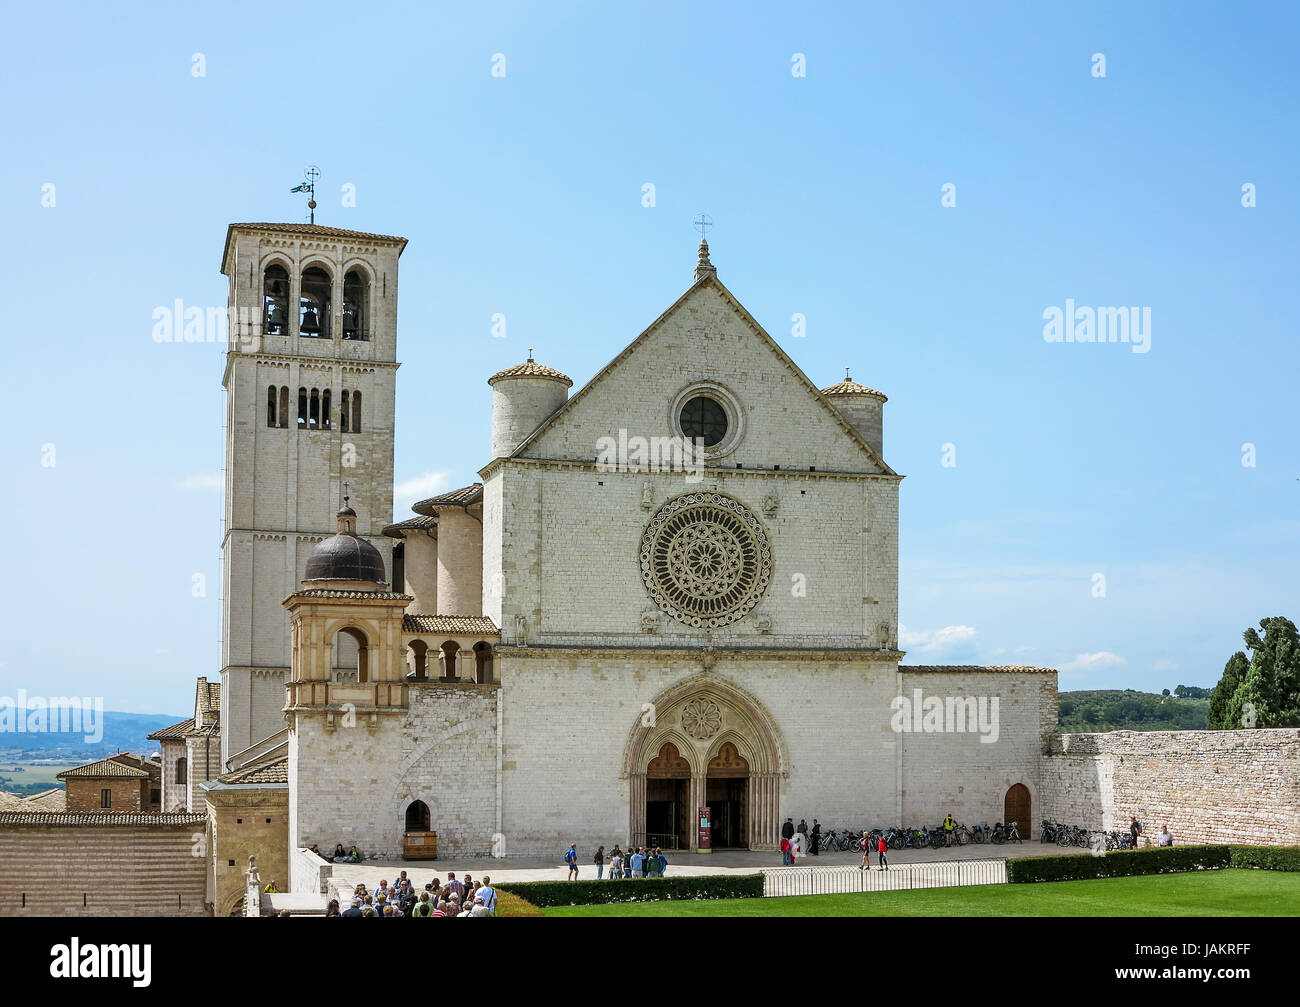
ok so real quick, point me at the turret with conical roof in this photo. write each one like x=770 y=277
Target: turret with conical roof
x=523 y=396
x=861 y=407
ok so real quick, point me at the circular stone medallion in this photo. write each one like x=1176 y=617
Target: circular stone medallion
x=705 y=559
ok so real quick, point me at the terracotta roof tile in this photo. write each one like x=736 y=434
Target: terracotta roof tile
x=850 y=387
x=463 y=497
x=329 y=592
x=531 y=369
x=1005 y=669
x=450 y=625
x=106 y=819
x=178 y=730
x=49 y=800
x=424 y=522
x=114 y=766
x=275 y=771
x=12 y=802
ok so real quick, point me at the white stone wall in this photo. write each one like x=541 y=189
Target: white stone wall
x=519 y=405
x=567 y=719
x=353 y=784
x=569 y=541
x=955 y=771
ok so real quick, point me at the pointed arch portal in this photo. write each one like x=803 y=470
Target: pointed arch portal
x=705 y=742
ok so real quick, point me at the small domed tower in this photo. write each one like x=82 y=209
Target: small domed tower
x=862 y=407
x=523 y=396
x=345 y=562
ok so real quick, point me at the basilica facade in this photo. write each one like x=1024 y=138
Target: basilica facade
x=673 y=589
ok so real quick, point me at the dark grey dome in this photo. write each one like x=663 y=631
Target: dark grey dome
x=344 y=556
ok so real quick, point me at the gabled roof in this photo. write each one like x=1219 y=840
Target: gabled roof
x=708 y=278
x=270 y=771
x=450 y=625
x=49 y=800
x=310 y=231
x=115 y=766
x=12 y=802
x=463 y=497
x=175 y=732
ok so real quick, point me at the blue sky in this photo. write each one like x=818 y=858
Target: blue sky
x=522 y=195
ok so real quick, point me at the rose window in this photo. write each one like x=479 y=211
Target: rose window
x=705 y=559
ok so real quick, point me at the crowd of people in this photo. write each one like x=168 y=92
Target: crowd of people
x=636 y=862
x=454 y=897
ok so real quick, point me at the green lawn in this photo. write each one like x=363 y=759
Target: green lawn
x=1203 y=893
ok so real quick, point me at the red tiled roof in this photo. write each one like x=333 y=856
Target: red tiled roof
x=450 y=625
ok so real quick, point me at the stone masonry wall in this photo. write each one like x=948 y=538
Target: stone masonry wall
x=353 y=784
x=1207 y=786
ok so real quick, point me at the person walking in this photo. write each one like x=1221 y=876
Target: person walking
x=864 y=844
x=571 y=858
x=600 y=863
x=816 y=838
x=881 y=847
x=1135 y=830
x=787 y=830
x=785 y=852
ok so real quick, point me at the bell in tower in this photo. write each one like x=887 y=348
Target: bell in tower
x=275 y=301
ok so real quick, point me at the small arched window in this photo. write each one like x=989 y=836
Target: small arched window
x=355 y=306
x=302 y=408
x=313 y=419
x=356 y=412
x=343 y=413
x=275 y=301
x=314 y=303
x=284 y=405
x=271 y=406
x=325 y=409
x=483 y=663
x=182 y=770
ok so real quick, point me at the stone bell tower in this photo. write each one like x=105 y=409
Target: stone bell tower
x=309 y=379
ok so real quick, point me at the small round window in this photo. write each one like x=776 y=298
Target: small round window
x=703 y=418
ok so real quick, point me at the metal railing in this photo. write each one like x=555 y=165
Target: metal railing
x=781 y=881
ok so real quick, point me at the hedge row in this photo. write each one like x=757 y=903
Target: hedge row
x=1268 y=858
x=589 y=893
x=1119 y=864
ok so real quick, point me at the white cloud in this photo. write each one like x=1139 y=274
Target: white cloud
x=1164 y=664
x=937 y=640
x=1099 y=661
x=420 y=487
x=202 y=483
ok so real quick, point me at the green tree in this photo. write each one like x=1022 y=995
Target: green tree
x=1272 y=683
x=1221 y=698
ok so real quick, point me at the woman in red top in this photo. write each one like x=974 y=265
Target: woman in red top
x=881 y=847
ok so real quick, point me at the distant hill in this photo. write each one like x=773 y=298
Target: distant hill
x=1128 y=710
x=128 y=732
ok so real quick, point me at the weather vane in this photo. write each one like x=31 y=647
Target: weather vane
x=702 y=224
x=310 y=174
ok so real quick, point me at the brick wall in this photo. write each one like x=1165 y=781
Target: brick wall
x=116 y=870
x=128 y=794
x=1207 y=786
